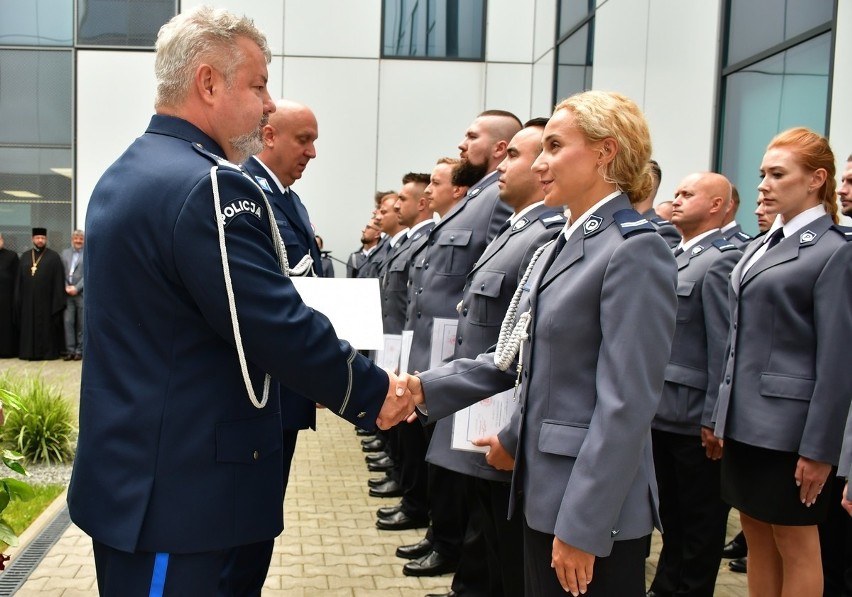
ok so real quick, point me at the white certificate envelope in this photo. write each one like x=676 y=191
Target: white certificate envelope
x=353 y=306
x=405 y=350
x=443 y=341
x=485 y=418
x=388 y=357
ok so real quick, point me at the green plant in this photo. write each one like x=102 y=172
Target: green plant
x=11 y=488
x=41 y=428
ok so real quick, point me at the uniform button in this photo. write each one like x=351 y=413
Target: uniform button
x=735 y=325
x=728 y=380
x=420 y=290
x=255 y=455
x=464 y=311
x=426 y=266
x=459 y=341
x=361 y=415
x=482 y=287
x=453 y=237
x=418 y=315
x=732 y=352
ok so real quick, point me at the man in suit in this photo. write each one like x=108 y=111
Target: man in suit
x=187 y=287
x=686 y=454
x=454 y=246
x=289 y=139
x=72 y=259
x=646 y=207
x=730 y=229
x=487 y=293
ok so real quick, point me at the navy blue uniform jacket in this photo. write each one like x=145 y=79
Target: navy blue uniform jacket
x=172 y=455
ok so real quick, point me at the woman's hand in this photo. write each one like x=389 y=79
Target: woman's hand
x=810 y=478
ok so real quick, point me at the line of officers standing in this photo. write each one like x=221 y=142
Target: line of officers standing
x=780 y=311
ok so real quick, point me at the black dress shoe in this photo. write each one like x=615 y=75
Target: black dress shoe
x=735 y=548
x=450 y=594
x=373 y=445
x=374 y=456
x=739 y=565
x=68 y=357
x=417 y=550
x=378 y=481
x=385 y=464
x=401 y=522
x=364 y=433
x=386 y=490
x=432 y=564
x=386 y=511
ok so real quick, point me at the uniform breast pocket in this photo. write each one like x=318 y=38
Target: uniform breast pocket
x=397 y=276
x=453 y=245
x=774 y=385
x=249 y=441
x=485 y=289
x=561 y=438
x=684 y=300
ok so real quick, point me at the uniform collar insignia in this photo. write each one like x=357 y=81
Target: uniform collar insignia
x=475 y=192
x=264 y=184
x=592 y=224
x=806 y=237
x=520 y=224
x=696 y=250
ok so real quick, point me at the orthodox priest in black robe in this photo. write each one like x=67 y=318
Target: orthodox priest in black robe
x=41 y=301
x=8 y=325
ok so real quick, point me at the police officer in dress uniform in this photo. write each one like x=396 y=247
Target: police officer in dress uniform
x=646 y=207
x=188 y=309
x=731 y=230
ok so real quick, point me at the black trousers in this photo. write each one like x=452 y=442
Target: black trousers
x=693 y=514
x=145 y=574
x=413 y=473
x=835 y=539
x=621 y=574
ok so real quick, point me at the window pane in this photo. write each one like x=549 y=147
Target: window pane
x=789 y=89
x=122 y=22
x=35 y=97
x=574 y=62
x=434 y=28
x=36 y=22
x=572 y=12
x=757 y=25
x=29 y=171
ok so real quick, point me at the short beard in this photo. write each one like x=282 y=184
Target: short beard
x=468 y=174
x=249 y=144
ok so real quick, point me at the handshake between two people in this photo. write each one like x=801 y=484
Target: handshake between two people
x=404 y=394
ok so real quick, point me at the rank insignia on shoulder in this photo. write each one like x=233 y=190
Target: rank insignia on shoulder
x=846 y=231
x=743 y=236
x=806 y=237
x=724 y=245
x=222 y=162
x=631 y=222
x=552 y=218
x=264 y=184
x=592 y=224
x=520 y=224
x=696 y=250
x=239 y=207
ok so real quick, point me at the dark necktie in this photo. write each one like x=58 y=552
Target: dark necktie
x=504 y=227
x=775 y=238
x=678 y=251
x=560 y=242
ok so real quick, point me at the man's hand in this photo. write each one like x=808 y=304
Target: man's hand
x=71 y=291
x=497 y=456
x=847 y=503
x=573 y=567
x=810 y=478
x=398 y=404
x=712 y=444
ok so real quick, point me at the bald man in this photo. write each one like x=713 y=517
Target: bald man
x=686 y=454
x=288 y=146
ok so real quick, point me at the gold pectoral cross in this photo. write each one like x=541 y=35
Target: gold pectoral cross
x=33 y=269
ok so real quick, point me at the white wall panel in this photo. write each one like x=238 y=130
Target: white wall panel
x=338 y=185
x=621 y=37
x=424 y=109
x=508 y=87
x=680 y=86
x=332 y=28
x=510 y=29
x=545 y=27
x=541 y=103
x=115 y=102
x=841 y=114
x=268 y=16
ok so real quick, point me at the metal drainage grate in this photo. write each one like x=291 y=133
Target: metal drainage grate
x=17 y=573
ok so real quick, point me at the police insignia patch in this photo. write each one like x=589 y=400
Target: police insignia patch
x=697 y=249
x=520 y=224
x=592 y=224
x=239 y=207
x=806 y=237
x=264 y=184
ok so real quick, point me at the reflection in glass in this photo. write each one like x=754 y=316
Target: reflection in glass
x=35 y=97
x=574 y=62
x=786 y=90
x=572 y=12
x=434 y=28
x=122 y=22
x=757 y=25
x=36 y=23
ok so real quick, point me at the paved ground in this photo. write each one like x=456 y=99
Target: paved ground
x=330 y=546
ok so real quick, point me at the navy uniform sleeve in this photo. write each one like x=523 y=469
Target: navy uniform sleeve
x=280 y=334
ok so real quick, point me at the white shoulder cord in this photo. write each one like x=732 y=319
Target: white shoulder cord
x=281 y=252
x=513 y=331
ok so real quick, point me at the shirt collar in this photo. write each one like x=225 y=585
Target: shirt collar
x=686 y=246
x=799 y=221
x=575 y=223
x=515 y=217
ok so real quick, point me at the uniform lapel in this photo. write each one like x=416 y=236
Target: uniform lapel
x=788 y=249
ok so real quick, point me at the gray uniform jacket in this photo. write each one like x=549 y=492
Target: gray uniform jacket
x=785 y=384
x=698 y=349
x=487 y=293
x=664 y=228
x=76 y=277
x=394 y=282
x=454 y=245
x=737 y=236
x=603 y=315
